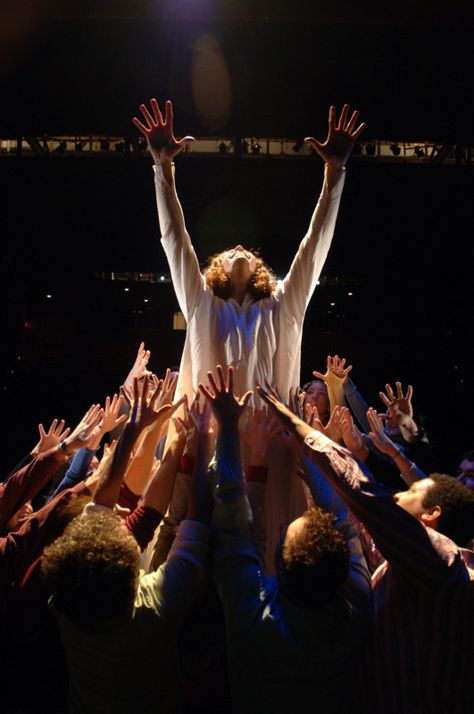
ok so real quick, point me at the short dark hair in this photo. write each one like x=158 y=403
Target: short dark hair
x=457 y=507
x=315 y=562
x=92 y=569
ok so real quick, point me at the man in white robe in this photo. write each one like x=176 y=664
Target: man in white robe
x=261 y=339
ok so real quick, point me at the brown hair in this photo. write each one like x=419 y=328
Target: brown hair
x=92 y=569
x=316 y=562
x=261 y=284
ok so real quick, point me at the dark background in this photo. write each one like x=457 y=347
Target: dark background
x=403 y=242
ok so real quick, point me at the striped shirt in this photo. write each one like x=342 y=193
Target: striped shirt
x=421 y=649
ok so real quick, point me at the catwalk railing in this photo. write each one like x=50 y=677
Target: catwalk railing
x=250 y=147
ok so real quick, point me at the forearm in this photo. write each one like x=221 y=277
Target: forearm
x=159 y=492
x=76 y=472
x=357 y=405
x=108 y=489
x=409 y=471
x=26 y=483
x=139 y=468
x=299 y=284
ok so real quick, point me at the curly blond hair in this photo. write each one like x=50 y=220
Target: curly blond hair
x=261 y=284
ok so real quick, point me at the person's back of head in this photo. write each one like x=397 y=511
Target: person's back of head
x=456 y=502
x=92 y=568
x=313 y=559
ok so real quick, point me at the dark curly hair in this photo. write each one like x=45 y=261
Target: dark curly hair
x=316 y=561
x=457 y=507
x=92 y=569
x=261 y=284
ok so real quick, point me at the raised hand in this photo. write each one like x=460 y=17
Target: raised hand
x=112 y=417
x=50 y=438
x=143 y=412
x=226 y=406
x=336 y=366
x=351 y=435
x=399 y=407
x=340 y=139
x=379 y=437
x=80 y=436
x=162 y=144
x=139 y=369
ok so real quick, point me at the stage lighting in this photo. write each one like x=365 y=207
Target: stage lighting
x=121 y=147
x=298 y=146
x=80 y=145
x=61 y=148
x=370 y=149
x=395 y=149
x=256 y=148
x=419 y=151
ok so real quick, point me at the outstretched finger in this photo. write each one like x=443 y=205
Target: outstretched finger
x=230 y=380
x=245 y=399
x=332 y=119
x=206 y=392
x=320 y=376
x=141 y=127
x=399 y=389
x=352 y=121
x=169 y=114
x=385 y=399
x=343 y=118
x=355 y=135
x=221 y=378
x=389 y=391
x=409 y=393
x=148 y=118
x=157 y=112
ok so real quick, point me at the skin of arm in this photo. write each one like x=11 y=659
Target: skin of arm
x=158 y=493
x=143 y=415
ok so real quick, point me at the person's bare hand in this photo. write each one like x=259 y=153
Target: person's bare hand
x=226 y=406
x=351 y=435
x=158 y=132
x=399 y=407
x=337 y=367
x=139 y=368
x=379 y=438
x=80 y=436
x=52 y=437
x=340 y=139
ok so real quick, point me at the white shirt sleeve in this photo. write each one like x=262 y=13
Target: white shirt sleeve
x=298 y=285
x=184 y=266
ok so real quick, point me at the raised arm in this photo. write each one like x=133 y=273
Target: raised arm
x=401 y=539
x=299 y=284
x=187 y=279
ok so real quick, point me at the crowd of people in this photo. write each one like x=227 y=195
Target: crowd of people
x=139 y=580
x=236 y=543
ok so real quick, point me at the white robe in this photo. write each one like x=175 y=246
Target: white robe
x=260 y=339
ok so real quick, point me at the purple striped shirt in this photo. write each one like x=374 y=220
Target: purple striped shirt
x=420 y=654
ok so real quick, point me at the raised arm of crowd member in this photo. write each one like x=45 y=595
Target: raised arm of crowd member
x=26 y=483
x=258 y=433
x=138 y=369
x=143 y=415
x=401 y=538
x=409 y=471
x=334 y=379
x=139 y=469
x=197 y=421
x=47 y=440
x=82 y=459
